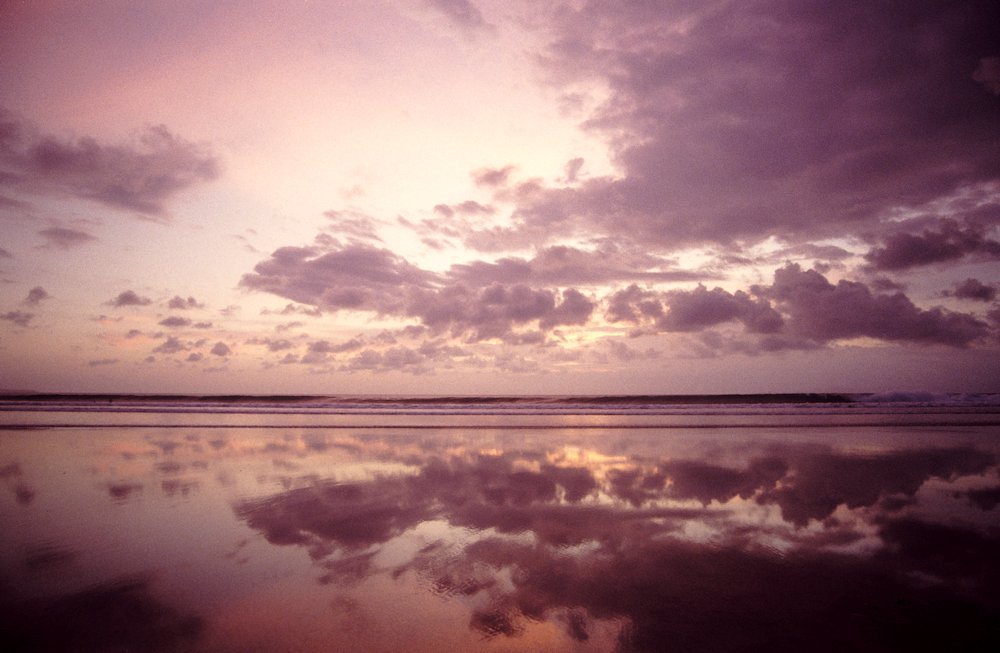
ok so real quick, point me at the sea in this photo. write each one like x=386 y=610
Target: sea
x=792 y=522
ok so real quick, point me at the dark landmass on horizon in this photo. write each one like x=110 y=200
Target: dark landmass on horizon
x=729 y=398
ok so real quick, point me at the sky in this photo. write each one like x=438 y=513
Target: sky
x=508 y=197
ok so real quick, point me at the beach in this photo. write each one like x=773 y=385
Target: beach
x=542 y=524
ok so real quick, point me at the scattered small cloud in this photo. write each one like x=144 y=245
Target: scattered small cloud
x=462 y=14
x=180 y=303
x=36 y=296
x=175 y=322
x=20 y=318
x=975 y=290
x=64 y=237
x=171 y=345
x=129 y=298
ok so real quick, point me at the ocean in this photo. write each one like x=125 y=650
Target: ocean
x=819 y=522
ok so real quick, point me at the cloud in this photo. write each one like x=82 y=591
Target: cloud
x=800 y=309
x=695 y=310
x=179 y=303
x=822 y=311
x=357 y=277
x=564 y=265
x=734 y=123
x=36 y=296
x=65 y=238
x=220 y=349
x=20 y=318
x=462 y=13
x=353 y=224
x=463 y=301
x=138 y=177
x=102 y=362
x=174 y=322
x=128 y=298
x=171 y=345
x=974 y=289
x=949 y=242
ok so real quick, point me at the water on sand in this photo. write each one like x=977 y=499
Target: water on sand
x=563 y=524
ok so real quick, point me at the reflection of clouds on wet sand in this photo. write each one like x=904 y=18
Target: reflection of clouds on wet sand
x=707 y=556
x=341 y=539
x=123 y=615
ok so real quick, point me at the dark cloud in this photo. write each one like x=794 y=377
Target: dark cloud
x=128 y=298
x=504 y=299
x=949 y=242
x=140 y=177
x=464 y=301
x=738 y=122
x=701 y=308
x=462 y=13
x=356 y=277
x=175 y=321
x=179 y=303
x=171 y=345
x=799 y=308
x=36 y=296
x=220 y=349
x=20 y=318
x=821 y=311
x=65 y=238
x=393 y=359
x=562 y=265
x=101 y=362
x=974 y=289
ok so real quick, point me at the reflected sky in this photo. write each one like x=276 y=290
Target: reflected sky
x=231 y=539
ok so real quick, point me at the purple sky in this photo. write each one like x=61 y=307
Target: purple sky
x=441 y=196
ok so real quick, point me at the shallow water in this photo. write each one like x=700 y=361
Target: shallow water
x=802 y=527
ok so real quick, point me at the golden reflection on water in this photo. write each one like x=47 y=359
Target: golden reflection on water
x=296 y=539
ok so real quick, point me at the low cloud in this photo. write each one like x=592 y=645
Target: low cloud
x=65 y=238
x=462 y=14
x=20 y=318
x=975 y=290
x=823 y=311
x=363 y=278
x=139 y=177
x=129 y=298
x=172 y=345
x=36 y=296
x=175 y=322
x=179 y=303
x=800 y=307
x=949 y=242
